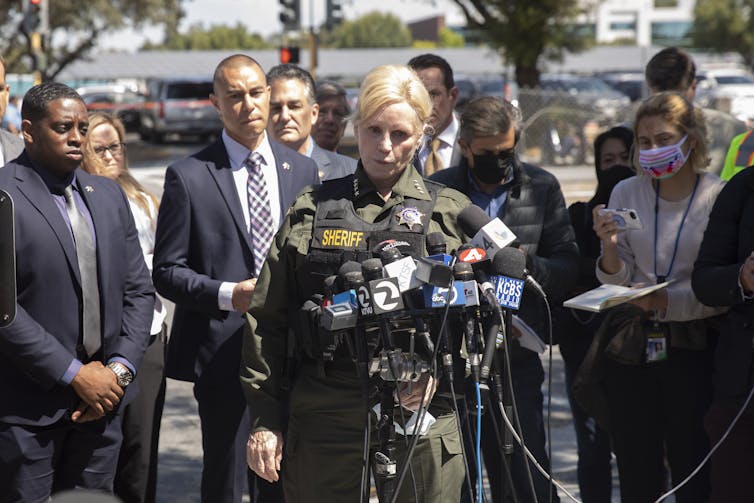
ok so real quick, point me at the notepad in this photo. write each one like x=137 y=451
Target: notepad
x=607 y=296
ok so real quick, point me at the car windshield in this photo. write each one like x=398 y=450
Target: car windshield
x=189 y=91
x=577 y=85
x=734 y=79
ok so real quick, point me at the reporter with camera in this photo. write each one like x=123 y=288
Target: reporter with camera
x=658 y=371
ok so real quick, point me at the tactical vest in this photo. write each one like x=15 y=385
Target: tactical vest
x=340 y=235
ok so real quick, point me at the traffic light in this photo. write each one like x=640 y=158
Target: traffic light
x=33 y=15
x=334 y=14
x=290 y=14
x=289 y=55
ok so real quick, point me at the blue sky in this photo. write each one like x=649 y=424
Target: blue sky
x=261 y=16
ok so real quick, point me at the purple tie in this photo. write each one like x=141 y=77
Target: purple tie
x=260 y=216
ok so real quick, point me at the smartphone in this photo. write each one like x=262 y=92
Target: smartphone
x=626 y=219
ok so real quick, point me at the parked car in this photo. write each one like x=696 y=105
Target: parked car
x=729 y=90
x=179 y=106
x=500 y=87
x=582 y=93
x=632 y=84
x=117 y=100
x=467 y=90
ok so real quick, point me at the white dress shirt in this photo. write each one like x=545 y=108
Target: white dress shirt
x=237 y=154
x=447 y=143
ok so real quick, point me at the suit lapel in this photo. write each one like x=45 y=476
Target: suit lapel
x=221 y=173
x=284 y=170
x=35 y=190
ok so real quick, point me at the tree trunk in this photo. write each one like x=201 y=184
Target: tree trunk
x=527 y=75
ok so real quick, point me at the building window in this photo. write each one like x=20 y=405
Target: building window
x=623 y=26
x=666 y=4
x=672 y=33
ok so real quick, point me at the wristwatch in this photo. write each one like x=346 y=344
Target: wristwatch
x=122 y=373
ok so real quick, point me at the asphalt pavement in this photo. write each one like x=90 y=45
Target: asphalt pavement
x=180 y=462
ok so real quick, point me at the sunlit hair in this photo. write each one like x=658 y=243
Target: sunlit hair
x=675 y=109
x=95 y=165
x=389 y=85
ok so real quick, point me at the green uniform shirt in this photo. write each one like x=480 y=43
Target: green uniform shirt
x=269 y=318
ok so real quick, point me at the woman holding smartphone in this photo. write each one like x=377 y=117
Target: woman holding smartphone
x=657 y=402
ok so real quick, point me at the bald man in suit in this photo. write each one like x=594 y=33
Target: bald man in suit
x=220 y=209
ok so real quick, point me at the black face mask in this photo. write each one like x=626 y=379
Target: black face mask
x=492 y=168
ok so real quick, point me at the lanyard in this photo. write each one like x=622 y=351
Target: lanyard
x=661 y=279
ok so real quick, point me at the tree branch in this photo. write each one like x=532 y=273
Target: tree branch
x=69 y=57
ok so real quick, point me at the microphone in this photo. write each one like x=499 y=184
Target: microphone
x=489 y=234
x=384 y=293
x=341 y=310
x=400 y=267
x=507 y=269
x=328 y=287
x=436 y=243
x=464 y=274
x=508 y=266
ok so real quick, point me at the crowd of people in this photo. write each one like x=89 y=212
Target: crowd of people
x=242 y=242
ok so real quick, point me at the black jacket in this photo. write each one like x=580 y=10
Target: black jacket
x=728 y=241
x=535 y=211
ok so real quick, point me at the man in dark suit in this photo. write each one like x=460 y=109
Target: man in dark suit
x=83 y=311
x=440 y=148
x=219 y=211
x=293 y=112
x=10 y=144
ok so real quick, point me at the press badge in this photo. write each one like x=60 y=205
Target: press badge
x=657 y=343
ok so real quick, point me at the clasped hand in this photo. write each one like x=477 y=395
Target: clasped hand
x=98 y=389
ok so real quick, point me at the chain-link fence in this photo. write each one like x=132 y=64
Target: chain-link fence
x=560 y=127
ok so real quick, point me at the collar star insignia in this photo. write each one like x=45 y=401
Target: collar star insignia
x=410 y=216
x=89 y=188
x=418 y=186
x=355 y=187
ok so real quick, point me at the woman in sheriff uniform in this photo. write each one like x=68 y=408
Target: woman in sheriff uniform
x=344 y=219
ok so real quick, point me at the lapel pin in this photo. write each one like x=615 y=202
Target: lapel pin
x=89 y=188
x=286 y=166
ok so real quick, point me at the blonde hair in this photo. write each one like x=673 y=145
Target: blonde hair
x=94 y=164
x=389 y=85
x=675 y=109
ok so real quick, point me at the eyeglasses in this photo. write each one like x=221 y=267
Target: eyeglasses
x=116 y=149
x=337 y=115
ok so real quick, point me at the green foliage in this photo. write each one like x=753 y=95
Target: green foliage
x=725 y=25
x=375 y=29
x=76 y=26
x=449 y=38
x=526 y=30
x=197 y=38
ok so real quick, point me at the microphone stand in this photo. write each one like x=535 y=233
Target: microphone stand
x=385 y=466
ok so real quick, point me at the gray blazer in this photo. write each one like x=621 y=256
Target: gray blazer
x=332 y=165
x=11 y=145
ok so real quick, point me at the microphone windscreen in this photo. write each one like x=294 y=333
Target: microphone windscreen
x=349 y=266
x=372 y=269
x=472 y=218
x=353 y=280
x=436 y=243
x=390 y=255
x=463 y=271
x=404 y=247
x=509 y=262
